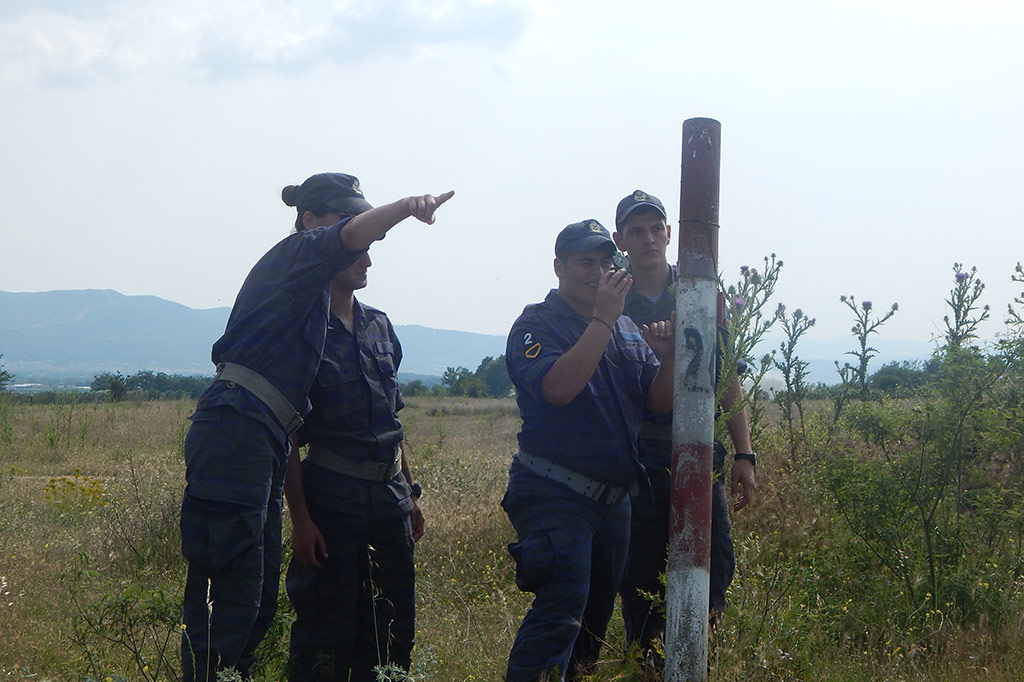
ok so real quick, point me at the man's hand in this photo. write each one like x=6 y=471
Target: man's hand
x=611 y=295
x=422 y=207
x=416 y=519
x=742 y=479
x=661 y=337
x=308 y=543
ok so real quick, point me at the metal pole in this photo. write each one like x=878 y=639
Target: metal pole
x=693 y=424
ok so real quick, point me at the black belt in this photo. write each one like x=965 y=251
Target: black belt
x=367 y=470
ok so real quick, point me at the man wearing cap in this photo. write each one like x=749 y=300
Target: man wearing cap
x=642 y=231
x=237 y=446
x=352 y=503
x=583 y=375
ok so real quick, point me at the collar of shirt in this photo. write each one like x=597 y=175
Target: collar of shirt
x=642 y=310
x=358 y=319
x=561 y=308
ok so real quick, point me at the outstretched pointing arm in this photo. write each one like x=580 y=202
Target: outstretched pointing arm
x=366 y=228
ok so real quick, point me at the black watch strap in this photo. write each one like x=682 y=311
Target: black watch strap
x=749 y=456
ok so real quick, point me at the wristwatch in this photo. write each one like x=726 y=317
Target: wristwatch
x=749 y=456
x=417 y=490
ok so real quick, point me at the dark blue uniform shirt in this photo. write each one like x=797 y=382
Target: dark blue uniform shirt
x=278 y=323
x=355 y=403
x=643 y=310
x=596 y=433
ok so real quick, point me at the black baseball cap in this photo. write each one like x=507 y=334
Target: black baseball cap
x=336 y=191
x=582 y=236
x=637 y=199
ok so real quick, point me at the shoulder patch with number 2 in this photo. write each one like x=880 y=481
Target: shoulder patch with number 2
x=533 y=348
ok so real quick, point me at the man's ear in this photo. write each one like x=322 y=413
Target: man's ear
x=616 y=238
x=668 y=232
x=559 y=267
x=309 y=220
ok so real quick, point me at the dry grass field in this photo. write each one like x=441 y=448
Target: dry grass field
x=90 y=575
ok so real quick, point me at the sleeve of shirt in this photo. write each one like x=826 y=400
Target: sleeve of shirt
x=399 y=402
x=651 y=367
x=317 y=255
x=633 y=341
x=531 y=350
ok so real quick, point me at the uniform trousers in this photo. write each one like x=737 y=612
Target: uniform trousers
x=571 y=553
x=357 y=610
x=231 y=538
x=648 y=551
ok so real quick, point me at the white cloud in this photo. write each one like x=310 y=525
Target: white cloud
x=57 y=45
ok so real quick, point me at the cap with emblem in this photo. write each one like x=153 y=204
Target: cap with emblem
x=582 y=236
x=638 y=199
x=336 y=191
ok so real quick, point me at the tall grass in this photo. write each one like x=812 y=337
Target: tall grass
x=90 y=575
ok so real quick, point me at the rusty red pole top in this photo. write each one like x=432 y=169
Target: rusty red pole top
x=698 y=198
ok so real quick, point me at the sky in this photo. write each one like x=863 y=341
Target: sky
x=869 y=144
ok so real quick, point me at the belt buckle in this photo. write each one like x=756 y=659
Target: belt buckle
x=612 y=494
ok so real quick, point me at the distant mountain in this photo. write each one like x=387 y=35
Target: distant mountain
x=87 y=332
x=431 y=351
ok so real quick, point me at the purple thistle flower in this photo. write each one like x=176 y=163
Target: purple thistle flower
x=960 y=276
x=739 y=301
x=866 y=305
x=744 y=268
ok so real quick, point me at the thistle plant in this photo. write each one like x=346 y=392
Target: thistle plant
x=746 y=301
x=963 y=301
x=747 y=322
x=1015 y=318
x=794 y=373
x=392 y=673
x=864 y=326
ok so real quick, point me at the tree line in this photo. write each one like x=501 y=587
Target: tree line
x=490 y=380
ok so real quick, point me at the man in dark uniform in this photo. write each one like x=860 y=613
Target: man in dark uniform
x=583 y=374
x=237 y=446
x=354 y=511
x=641 y=230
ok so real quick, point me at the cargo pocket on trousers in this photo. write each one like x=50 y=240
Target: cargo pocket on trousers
x=535 y=560
x=214 y=533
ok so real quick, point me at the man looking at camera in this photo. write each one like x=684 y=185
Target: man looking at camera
x=583 y=375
